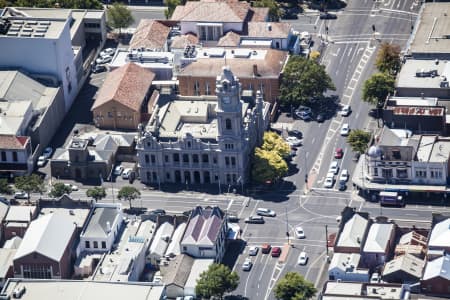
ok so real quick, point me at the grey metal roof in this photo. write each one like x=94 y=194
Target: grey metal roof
x=440 y=235
x=96 y=226
x=177 y=272
x=3 y=210
x=48 y=235
x=406 y=263
x=440 y=267
x=378 y=237
x=353 y=233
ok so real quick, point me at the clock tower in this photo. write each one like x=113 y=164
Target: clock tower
x=229 y=105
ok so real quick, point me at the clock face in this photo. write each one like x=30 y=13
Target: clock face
x=226 y=99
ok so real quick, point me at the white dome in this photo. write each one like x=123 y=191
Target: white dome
x=374 y=151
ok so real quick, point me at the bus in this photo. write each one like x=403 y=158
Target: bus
x=391 y=198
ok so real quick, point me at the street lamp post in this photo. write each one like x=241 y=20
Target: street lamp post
x=287 y=226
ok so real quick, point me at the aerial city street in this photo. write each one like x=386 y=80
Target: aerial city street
x=224 y=149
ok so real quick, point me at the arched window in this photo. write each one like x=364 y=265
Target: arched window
x=228 y=124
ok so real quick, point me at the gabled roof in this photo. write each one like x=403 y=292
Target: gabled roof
x=378 y=237
x=204 y=226
x=48 y=235
x=127 y=85
x=231 y=39
x=269 y=29
x=181 y=41
x=177 y=272
x=440 y=234
x=406 y=263
x=440 y=267
x=212 y=11
x=3 y=210
x=353 y=233
x=97 y=224
x=150 y=34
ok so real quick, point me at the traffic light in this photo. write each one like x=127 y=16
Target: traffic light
x=306 y=178
x=287 y=233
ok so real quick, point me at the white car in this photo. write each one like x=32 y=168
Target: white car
x=41 y=161
x=71 y=186
x=247 y=265
x=103 y=60
x=265 y=212
x=344 y=176
x=126 y=173
x=346 y=110
x=345 y=129
x=293 y=141
x=20 y=195
x=253 y=251
x=118 y=170
x=299 y=232
x=328 y=183
x=47 y=152
x=334 y=168
x=302 y=258
x=108 y=52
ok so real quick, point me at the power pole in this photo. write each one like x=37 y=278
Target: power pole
x=287 y=225
x=326 y=239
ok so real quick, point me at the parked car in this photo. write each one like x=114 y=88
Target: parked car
x=41 y=161
x=254 y=220
x=327 y=16
x=107 y=52
x=265 y=212
x=303 y=115
x=103 y=60
x=126 y=173
x=118 y=170
x=302 y=108
x=345 y=130
x=293 y=141
x=338 y=153
x=334 y=167
x=98 y=68
x=344 y=175
x=158 y=211
x=295 y=133
x=247 y=265
x=346 y=110
x=375 y=278
x=356 y=156
x=20 y=195
x=299 y=232
x=328 y=183
x=342 y=186
x=320 y=117
x=265 y=248
x=302 y=258
x=253 y=251
x=232 y=219
x=276 y=252
x=71 y=187
x=47 y=152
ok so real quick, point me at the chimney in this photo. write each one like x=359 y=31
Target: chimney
x=255 y=70
x=108 y=227
x=269 y=27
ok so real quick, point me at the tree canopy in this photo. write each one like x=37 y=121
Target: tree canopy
x=97 y=193
x=303 y=81
x=388 y=58
x=274 y=142
x=59 y=189
x=268 y=166
x=171 y=5
x=119 y=16
x=377 y=88
x=129 y=193
x=216 y=281
x=358 y=139
x=30 y=184
x=5 y=188
x=294 y=287
x=83 y=4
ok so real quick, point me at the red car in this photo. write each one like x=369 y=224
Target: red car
x=276 y=251
x=339 y=153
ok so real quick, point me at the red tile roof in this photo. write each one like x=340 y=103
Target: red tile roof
x=231 y=39
x=150 y=34
x=269 y=29
x=13 y=142
x=127 y=85
x=181 y=41
x=212 y=11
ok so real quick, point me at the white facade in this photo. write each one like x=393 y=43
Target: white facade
x=160 y=243
x=344 y=266
x=102 y=228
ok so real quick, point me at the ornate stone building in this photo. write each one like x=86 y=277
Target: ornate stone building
x=206 y=139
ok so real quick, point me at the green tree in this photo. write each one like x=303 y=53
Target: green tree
x=59 y=189
x=5 y=188
x=129 y=193
x=119 y=16
x=303 y=80
x=274 y=142
x=377 y=88
x=268 y=166
x=274 y=10
x=216 y=281
x=97 y=193
x=171 y=5
x=30 y=184
x=358 y=139
x=294 y=287
x=388 y=58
